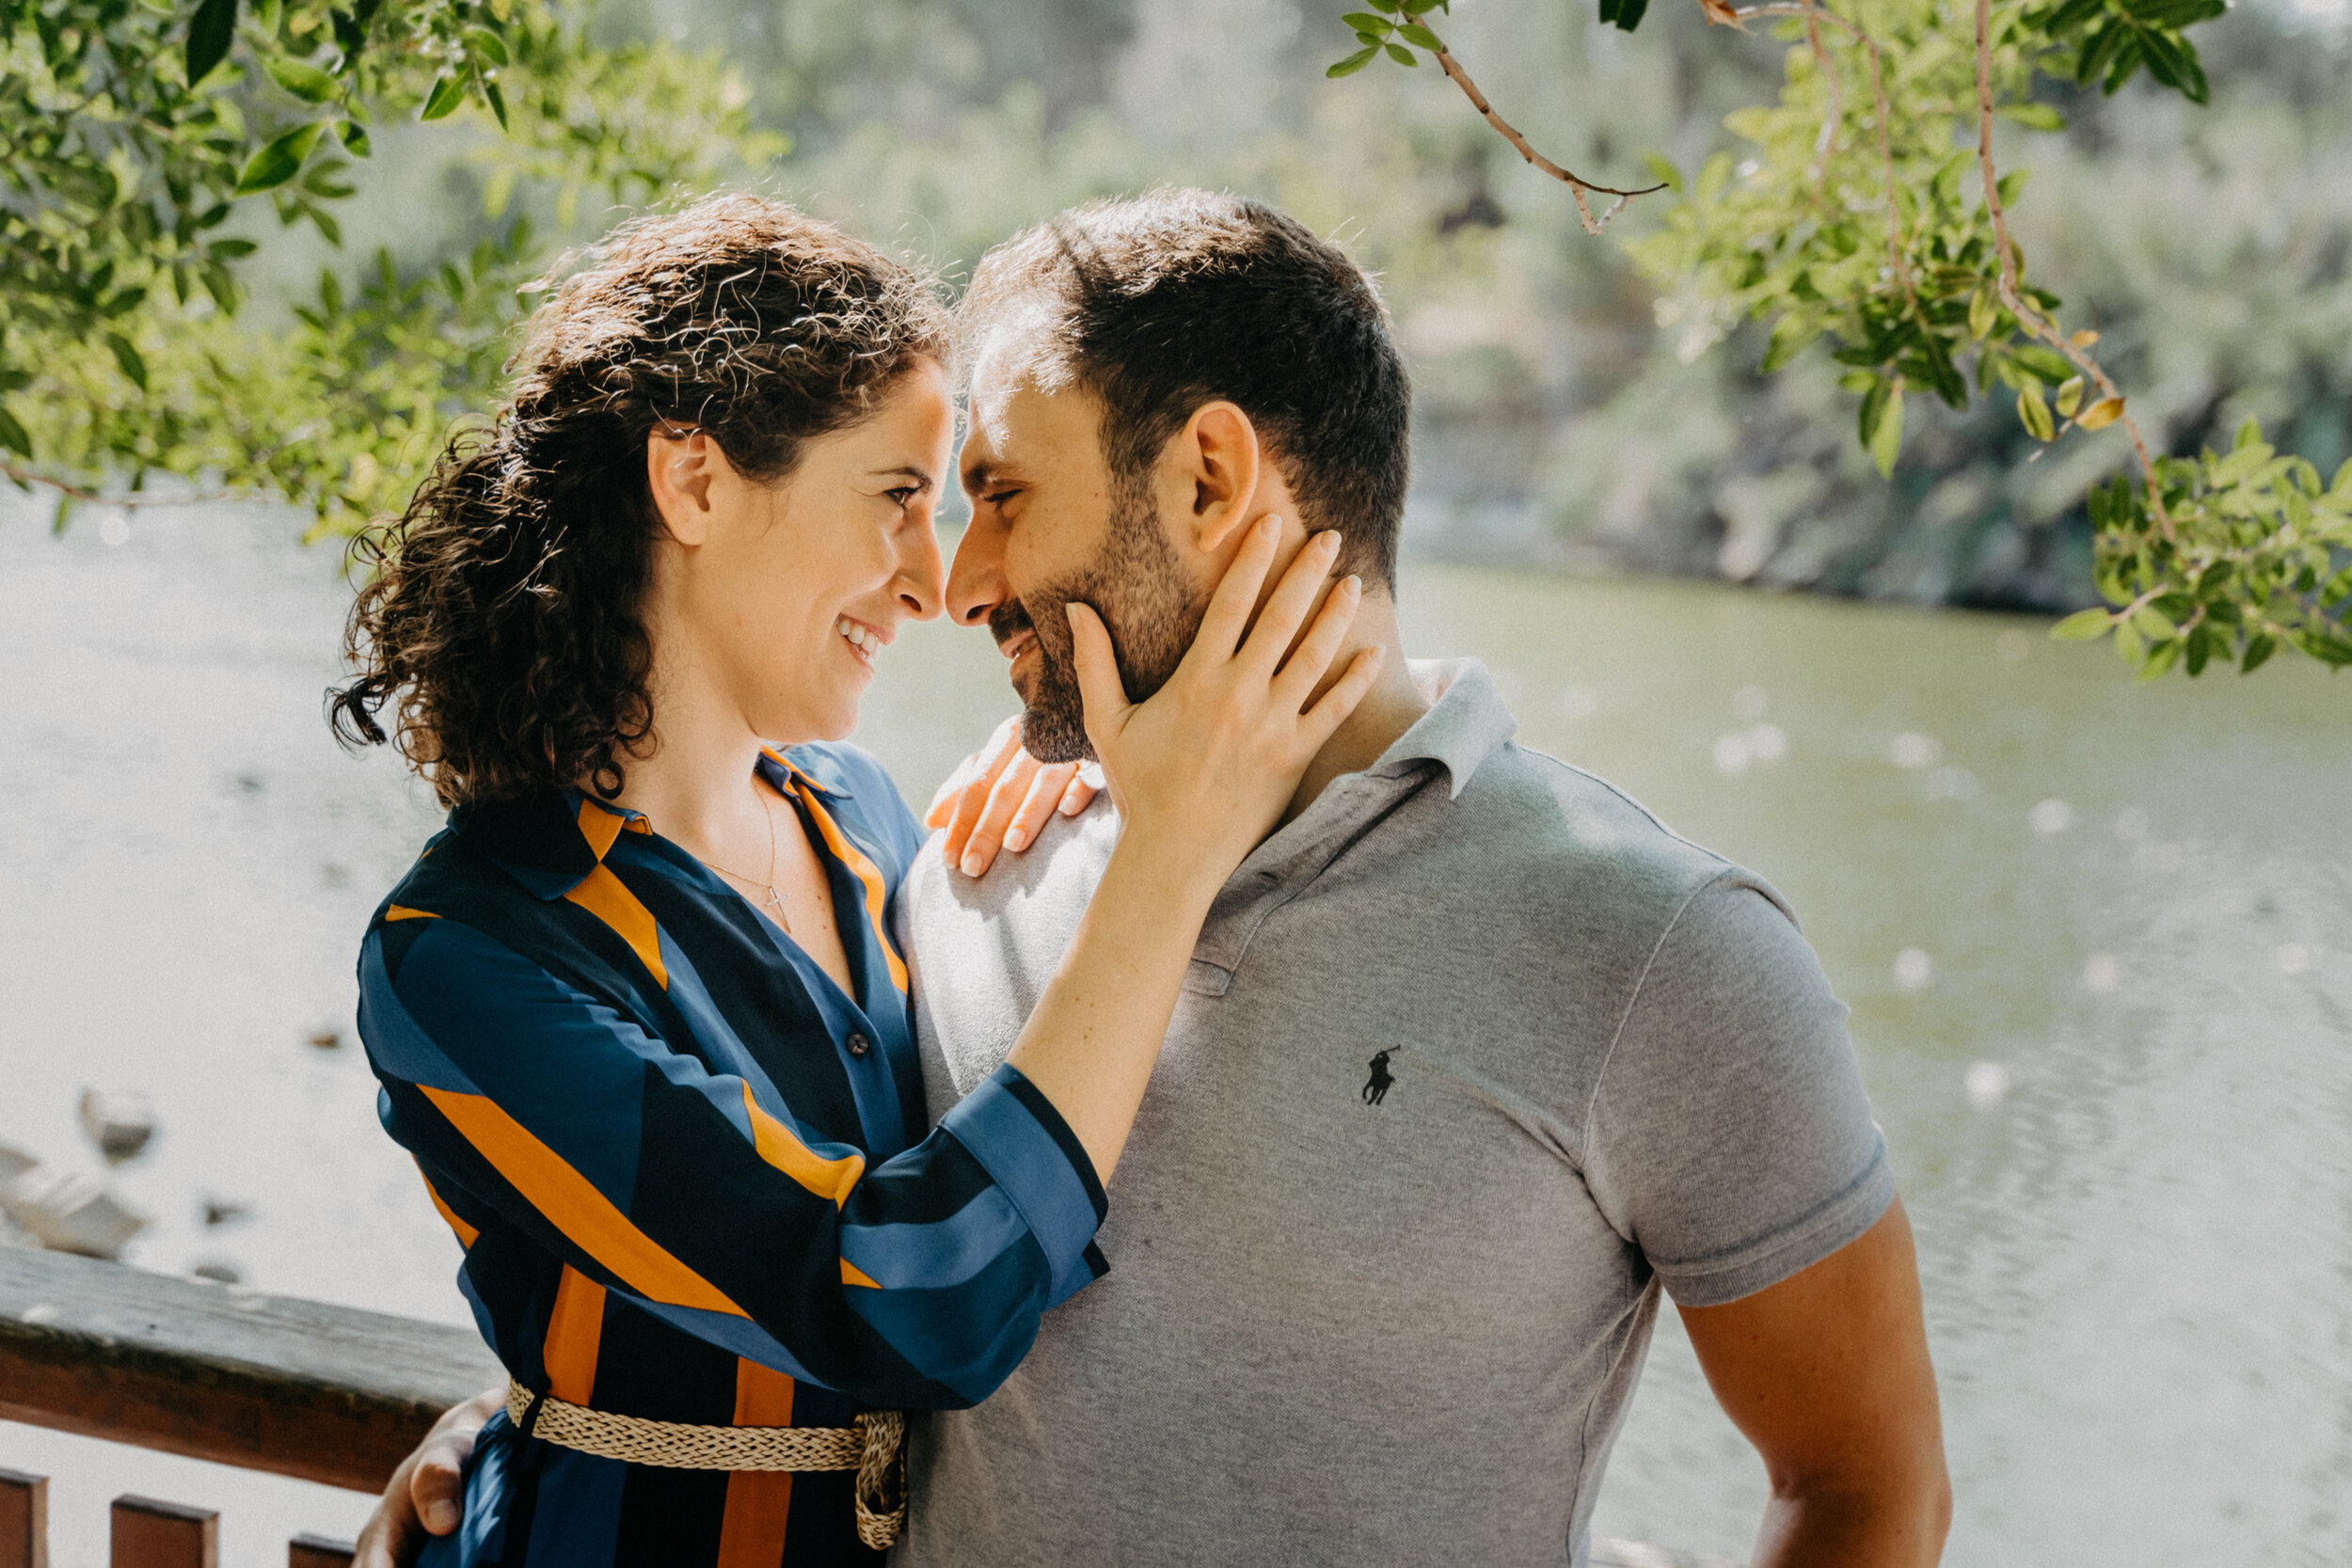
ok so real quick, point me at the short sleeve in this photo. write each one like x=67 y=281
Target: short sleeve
x=1729 y=1137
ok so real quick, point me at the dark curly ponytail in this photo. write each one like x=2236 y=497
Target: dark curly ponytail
x=500 y=621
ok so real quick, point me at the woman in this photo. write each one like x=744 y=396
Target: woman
x=636 y=1011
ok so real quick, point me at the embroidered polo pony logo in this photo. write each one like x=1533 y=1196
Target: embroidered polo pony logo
x=1376 y=1089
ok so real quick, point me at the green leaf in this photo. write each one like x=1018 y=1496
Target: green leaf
x=2258 y=650
x=1401 y=55
x=1984 y=308
x=2173 y=60
x=2070 y=16
x=2083 y=626
x=1364 y=21
x=1347 y=67
x=2201 y=647
x=1625 y=14
x=2100 y=49
x=2033 y=116
x=1413 y=32
x=2042 y=360
x=487 y=45
x=447 y=92
x=2175 y=14
x=14 y=435
x=2160 y=659
x=2127 y=58
x=1873 y=409
x=1791 y=335
x=355 y=138
x=2034 y=415
x=304 y=80
x=280 y=160
x=1889 y=440
x=233 y=250
x=214 y=29
x=128 y=357
x=2070 y=396
x=496 y=100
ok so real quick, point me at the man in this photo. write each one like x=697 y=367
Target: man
x=1475 y=1058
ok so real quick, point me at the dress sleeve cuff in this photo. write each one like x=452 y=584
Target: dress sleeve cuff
x=1033 y=1156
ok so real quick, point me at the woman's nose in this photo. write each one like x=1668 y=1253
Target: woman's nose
x=921 y=581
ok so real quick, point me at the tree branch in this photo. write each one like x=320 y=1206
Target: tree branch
x=28 y=477
x=1579 y=187
x=1813 y=15
x=2031 y=319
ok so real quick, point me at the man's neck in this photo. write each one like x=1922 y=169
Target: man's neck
x=1394 y=705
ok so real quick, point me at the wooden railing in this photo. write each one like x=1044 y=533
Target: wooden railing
x=324 y=1393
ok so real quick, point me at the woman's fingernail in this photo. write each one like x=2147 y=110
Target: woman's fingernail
x=1073 y=807
x=441 y=1516
x=972 y=863
x=1016 y=841
x=1328 y=539
x=1353 y=583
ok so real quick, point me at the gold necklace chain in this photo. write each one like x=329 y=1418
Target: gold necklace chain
x=775 y=901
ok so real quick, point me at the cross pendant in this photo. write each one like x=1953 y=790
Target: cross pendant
x=776 y=903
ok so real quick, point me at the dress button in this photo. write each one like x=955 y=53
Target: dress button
x=860 y=1045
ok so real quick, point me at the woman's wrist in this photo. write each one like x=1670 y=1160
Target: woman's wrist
x=1177 y=865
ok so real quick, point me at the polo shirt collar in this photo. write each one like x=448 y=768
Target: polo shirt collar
x=1468 y=721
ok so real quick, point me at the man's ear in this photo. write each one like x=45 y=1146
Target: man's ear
x=680 y=464
x=1210 y=474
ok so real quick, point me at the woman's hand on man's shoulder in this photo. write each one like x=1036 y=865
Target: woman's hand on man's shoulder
x=1001 y=797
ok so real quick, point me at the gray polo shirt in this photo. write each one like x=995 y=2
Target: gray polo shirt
x=1363 y=1315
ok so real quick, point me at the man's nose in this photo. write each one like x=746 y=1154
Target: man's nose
x=975 y=583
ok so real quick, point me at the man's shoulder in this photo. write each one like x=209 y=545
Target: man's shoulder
x=1064 y=862
x=1534 y=818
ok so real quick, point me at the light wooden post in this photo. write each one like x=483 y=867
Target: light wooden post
x=318 y=1551
x=153 y=1534
x=23 y=1520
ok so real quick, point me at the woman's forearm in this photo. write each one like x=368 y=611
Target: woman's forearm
x=1090 y=1045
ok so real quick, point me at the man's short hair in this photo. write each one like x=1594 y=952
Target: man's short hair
x=1182 y=297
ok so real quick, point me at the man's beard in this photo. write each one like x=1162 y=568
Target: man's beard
x=1140 y=588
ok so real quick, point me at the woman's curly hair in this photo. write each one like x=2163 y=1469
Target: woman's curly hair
x=500 y=622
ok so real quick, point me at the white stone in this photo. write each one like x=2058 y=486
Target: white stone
x=119 y=1122
x=70 y=1212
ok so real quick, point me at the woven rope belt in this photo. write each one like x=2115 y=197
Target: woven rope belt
x=874 y=1447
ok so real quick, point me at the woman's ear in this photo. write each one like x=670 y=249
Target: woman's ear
x=1216 y=462
x=679 y=466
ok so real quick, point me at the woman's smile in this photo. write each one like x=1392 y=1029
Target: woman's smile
x=864 y=641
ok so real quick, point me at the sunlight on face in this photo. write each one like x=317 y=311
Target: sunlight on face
x=801 y=584
x=1050 y=525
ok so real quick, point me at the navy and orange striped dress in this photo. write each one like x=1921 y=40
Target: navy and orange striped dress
x=691 y=1174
